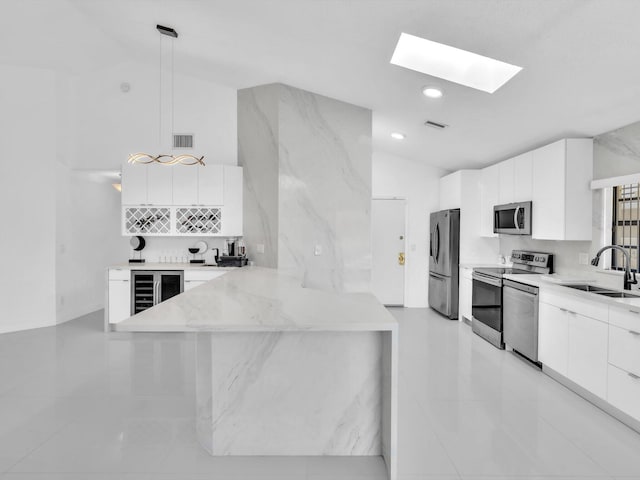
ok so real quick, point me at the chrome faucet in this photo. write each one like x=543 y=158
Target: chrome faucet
x=629 y=276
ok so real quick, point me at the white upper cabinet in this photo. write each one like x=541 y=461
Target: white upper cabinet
x=198 y=185
x=522 y=172
x=211 y=184
x=182 y=200
x=562 y=172
x=515 y=179
x=185 y=185
x=506 y=187
x=489 y=197
x=134 y=184
x=159 y=184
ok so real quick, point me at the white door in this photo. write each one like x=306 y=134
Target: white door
x=387 y=245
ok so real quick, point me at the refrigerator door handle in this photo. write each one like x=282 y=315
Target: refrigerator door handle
x=437 y=238
x=431 y=243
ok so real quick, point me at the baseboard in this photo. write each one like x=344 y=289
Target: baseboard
x=78 y=312
x=601 y=403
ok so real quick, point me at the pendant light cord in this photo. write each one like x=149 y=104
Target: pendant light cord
x=160 y=97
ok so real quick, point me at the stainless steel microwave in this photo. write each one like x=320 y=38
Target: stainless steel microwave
x=512 y=218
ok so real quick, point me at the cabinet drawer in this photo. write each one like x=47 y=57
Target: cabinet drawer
x=624 y=391
x=624 y=318
x=575 y=304
x=119 y=274
x=624 y=349
x=201 y=275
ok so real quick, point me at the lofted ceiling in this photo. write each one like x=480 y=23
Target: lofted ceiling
x=580 y=77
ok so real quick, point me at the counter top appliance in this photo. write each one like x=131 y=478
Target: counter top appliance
x=487 y=293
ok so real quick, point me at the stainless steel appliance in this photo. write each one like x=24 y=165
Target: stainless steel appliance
x=512 y=218
x=444 y=250
x=520 y=318
x=148 y=288
x=487 y=293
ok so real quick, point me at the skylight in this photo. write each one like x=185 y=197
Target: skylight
x=453 y=64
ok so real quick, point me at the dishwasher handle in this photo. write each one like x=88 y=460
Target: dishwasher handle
x=520 y=286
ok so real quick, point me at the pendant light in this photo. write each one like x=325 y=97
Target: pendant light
x=165 y=159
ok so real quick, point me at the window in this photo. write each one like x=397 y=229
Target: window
x=626 y=221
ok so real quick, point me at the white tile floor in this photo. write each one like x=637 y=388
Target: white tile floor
x=78 y=404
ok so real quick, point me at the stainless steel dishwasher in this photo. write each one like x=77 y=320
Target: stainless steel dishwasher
x=520 y=318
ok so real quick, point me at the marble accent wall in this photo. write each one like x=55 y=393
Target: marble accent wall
x=617 y=153
x=320 y=150
x=258 y=153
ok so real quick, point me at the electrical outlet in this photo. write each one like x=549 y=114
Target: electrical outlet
x=412 y=247
x=260 y=248
x=583 y=258
x=317 y=250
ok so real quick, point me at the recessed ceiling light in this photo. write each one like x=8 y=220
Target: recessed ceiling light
x=432 y=92
x=398 y=135
x=453 y=64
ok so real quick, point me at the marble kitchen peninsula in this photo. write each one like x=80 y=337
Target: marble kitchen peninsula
x=286 y=370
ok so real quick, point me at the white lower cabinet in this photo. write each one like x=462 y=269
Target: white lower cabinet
x=597 y=347
x=553 y=337
x=623 y=391
x=587 y=356
x=624 y=349
x=195 y=278
x=119 y=295
x=465 y=293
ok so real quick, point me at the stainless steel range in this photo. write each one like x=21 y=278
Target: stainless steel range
x=487 y=295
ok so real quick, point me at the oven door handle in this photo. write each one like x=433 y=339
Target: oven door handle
x=496 y=282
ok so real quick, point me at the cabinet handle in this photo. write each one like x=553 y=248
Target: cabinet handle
x=635 y=377
x=633 y=311
x=633 y=332
x=567 y=311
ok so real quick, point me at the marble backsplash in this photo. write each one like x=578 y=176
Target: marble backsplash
x=307 y=170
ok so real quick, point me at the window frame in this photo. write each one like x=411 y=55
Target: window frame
x=630 y=222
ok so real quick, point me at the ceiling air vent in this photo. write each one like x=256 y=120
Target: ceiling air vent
x=182 y=141
x=439 y=126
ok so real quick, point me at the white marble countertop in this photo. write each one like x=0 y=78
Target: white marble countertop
x=255 y=299
x=540 y=282
x=169 y=266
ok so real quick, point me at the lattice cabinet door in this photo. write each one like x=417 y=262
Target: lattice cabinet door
x=147 y=221
x=198 y=221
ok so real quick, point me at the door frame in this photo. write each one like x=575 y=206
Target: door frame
x=404 y=241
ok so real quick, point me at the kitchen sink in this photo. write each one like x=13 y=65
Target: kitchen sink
x=619 y=294
x=590 y=288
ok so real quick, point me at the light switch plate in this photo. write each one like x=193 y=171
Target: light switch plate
x=317 y=250
x=260 y=248
x=583 y=258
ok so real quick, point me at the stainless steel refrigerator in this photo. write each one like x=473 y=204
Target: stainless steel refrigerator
x=444 y=253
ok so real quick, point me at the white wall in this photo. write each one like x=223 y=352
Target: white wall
x=63 y=229
x=27 y=237
x=102 y=125
x=418 y=184
x=112 y=124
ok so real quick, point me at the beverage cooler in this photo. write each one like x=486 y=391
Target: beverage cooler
x=148 y=288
